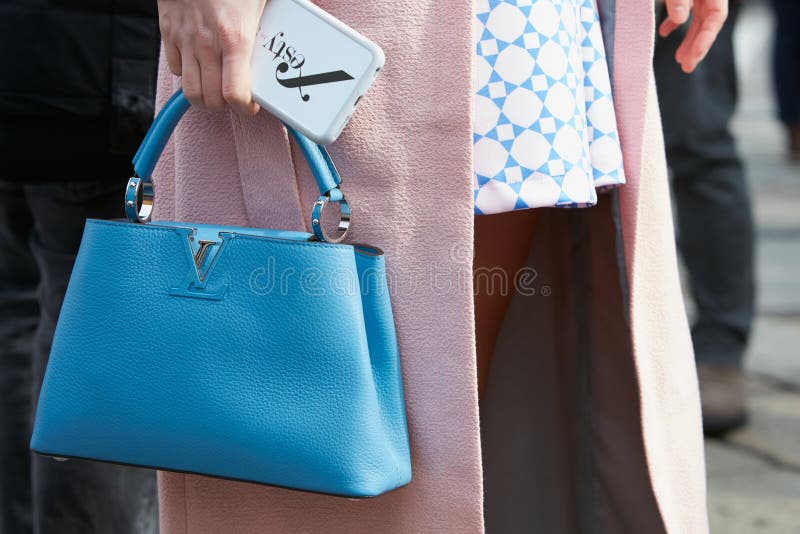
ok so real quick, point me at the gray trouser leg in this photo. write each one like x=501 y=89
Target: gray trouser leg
x=39 y=495
x=715 y=224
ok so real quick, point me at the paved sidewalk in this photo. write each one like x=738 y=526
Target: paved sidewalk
x=754 y=473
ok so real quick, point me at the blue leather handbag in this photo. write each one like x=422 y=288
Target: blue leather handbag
x=259 y=355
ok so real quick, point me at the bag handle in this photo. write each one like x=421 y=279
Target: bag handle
x=140 y=194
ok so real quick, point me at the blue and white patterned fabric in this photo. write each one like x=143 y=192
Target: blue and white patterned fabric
x=544 y=130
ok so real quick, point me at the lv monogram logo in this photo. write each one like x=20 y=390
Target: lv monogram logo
x=200 y=255
x=195 y=283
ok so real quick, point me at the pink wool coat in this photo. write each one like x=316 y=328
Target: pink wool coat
x=591 y=422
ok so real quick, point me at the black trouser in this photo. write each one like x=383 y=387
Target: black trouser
x=786 y=59
x=715 y=224
x=40 y=230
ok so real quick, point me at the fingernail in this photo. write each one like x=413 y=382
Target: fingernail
x=682 y=13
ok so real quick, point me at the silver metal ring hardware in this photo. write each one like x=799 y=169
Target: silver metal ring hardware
x=344 y=219
x=139 y=198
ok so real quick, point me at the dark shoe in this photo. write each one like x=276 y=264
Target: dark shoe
x=794 y=142
x=722 y=395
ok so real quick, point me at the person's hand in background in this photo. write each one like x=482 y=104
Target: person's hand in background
x=708 y=16
x=209 y=43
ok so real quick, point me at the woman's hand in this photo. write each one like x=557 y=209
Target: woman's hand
x=708 y=16
x=209 y=44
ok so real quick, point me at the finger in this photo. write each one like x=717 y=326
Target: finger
x=173 y=58
x=211 y=76
x=700 y=47
x=236 y=78
x=210 y=59
x=678 y=11
x=192 y=83
x=167 y=28
x=688 y=39
x=667 y=27
x=704 y=38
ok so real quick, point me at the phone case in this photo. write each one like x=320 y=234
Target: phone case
x=310 y=69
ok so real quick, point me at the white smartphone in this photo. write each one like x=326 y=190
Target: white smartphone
x=310 y=69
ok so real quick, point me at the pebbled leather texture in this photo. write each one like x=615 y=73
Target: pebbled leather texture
x=291 y=378
x=244 y=353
